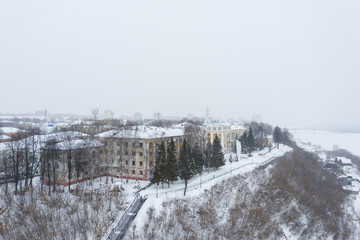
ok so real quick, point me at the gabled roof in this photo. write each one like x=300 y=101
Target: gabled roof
x=344 y=160
x=142 y=132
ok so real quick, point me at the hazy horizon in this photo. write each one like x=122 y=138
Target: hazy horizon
x=293 y=63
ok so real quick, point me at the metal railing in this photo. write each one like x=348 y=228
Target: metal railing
x=193 y=186
x=119 y=230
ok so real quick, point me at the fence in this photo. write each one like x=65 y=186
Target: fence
x=191 y=187
x=119 y=230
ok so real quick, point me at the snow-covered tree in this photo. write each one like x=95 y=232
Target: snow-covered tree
x=186 y=164
x=217 y=154
x=170 y=170
x=277 y=135
x=208 y=155
x=160 y=165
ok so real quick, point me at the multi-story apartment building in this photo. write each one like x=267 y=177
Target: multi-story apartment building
x=130 y=153
x=82 y=154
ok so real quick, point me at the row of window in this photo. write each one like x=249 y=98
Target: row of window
x=218 y=128
x=118 y=143
x=133 y=153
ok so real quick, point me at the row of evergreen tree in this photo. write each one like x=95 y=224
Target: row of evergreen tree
x=248 y=144
x=191 y=161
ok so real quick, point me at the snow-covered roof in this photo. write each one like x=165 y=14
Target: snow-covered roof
x=142 y=132
x=42 y=139
x=4 y=137
x=10 y=130
x=77 y=144
x=237 y=127
x=224 y=124
x=344 y=160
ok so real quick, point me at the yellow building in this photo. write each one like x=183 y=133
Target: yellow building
x=226 y=132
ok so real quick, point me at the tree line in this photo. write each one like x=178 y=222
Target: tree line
x=191 y=160
x=30 y=155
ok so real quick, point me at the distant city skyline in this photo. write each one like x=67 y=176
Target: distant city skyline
x=295 y=63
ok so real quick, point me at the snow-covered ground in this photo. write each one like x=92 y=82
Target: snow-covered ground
x=327 y=139
x=157 y=194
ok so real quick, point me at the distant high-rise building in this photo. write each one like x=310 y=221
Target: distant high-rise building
x=108 y=114
x=157 y=116
x=95 y=112
x=137 y=116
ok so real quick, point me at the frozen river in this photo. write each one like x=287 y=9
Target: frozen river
x=327 y=139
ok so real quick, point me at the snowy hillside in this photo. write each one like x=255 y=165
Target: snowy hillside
x=294 y=199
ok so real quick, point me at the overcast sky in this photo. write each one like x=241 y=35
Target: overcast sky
x=296 y=63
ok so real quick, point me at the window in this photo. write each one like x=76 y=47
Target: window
x=214 y=128
x=208 y=128
x=106 y=143
x=141 y=153
x=133 y=163
x=126 y=144
x=126 y=153
x=133 y=171
x=140 y=144
x=141 y=163
x=57 y=166
x=151 y=144
x=118 y=143
x=133 y=153
x=126 y=162
x=106 y=152
x=100 y=151
x=209 y=134
x=118 y=152
x=151 y=171
x=151 y=153
x=118 y=160
x=141 y=173
x=151 y=163
x=219 y=128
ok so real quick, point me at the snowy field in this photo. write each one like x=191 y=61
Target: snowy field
x=327 y=139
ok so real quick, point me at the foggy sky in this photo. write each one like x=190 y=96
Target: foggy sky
x=293 y=62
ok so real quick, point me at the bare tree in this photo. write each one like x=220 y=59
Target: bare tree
x=16 y=157
x=69 y=146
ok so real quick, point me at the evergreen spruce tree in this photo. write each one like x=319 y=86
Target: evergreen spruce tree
x=250 y=141
x=160 y=166
x=208 y=155
x=277 y=135
x=243 y=141
x=171 y=168
x=218 y=159
x=198 y=159
x=185 y=164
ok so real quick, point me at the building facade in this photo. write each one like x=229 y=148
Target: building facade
x=227 y=134
x=131 y=153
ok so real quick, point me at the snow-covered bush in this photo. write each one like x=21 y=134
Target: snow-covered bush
x=82 y=214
